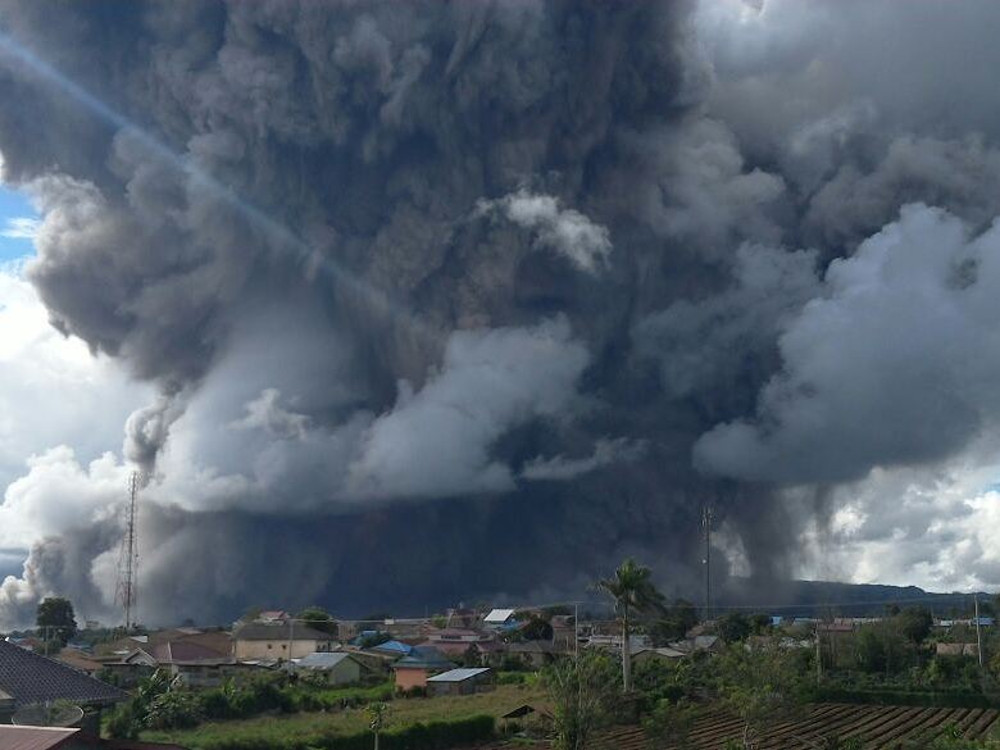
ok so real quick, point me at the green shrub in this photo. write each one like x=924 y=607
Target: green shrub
x=215 y=704
x=512 y=678
x=124 y=723
x=669 y=724
x=174 y=710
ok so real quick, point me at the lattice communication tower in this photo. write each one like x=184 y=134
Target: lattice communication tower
x=126 y=590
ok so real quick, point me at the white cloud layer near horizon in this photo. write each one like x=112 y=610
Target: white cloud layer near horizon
x=933 y=527
x=58 y=405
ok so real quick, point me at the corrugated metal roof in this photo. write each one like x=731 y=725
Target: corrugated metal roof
x=33 y=738
x=392 y=647
x=322 y=659
x=423 y=657
x=499 y=615
x=665 y=651
x=458 y=675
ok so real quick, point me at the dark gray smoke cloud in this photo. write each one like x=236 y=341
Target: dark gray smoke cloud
x=448 y=300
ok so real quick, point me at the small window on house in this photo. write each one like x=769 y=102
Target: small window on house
x=284 y=646
x=269 y=645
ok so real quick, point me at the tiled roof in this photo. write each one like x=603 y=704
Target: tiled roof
x=78 y=660
x=30 y=678
x=34 y=738
x=458 y=648
x=261 y=631
x=186 y=651
x=535 y=647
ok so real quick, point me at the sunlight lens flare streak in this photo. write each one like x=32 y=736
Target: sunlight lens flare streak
x=15 y=56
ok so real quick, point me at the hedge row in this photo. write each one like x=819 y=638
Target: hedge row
x=434 y=735
x=313 y=700
x=942 y=699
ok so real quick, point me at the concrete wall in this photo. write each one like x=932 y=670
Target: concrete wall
x=477 y=684
x=277 y=649
x=208 y=676
x=345 y=673
x=407 y=679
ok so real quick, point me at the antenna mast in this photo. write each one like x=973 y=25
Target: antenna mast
x=706 y=529
x=126 y=593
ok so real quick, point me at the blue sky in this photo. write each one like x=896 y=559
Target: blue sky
x=16 y=217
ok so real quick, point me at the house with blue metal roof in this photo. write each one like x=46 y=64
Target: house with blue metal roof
x=391 y=648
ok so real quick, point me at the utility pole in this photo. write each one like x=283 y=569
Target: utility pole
x=819 y=654
x=126 y=592
x=576 y=631
x=979 y=636
x=706 y=529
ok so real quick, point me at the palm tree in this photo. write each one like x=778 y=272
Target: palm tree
x=632 y=589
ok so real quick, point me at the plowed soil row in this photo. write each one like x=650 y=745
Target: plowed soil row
x=879 y=727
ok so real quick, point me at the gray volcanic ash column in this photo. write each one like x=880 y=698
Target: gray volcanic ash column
x=439 y=298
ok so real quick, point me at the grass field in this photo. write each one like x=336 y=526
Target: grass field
x=402 y=712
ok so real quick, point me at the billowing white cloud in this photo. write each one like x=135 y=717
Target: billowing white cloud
x=52 y=390
x=241 y=443
x=58 y=495
x=565 y=230
x=61 y=412
x=894 y=363
x=437 y=441
x=607 y=452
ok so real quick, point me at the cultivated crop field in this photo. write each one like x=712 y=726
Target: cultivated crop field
x=877 y=726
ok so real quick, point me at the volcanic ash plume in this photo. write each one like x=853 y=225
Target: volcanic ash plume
x=446 y=300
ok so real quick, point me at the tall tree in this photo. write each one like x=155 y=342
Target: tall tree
x=733 y=627
x=319 y=619
x=762 y=686
x=56 y=619
x=584 y=697
x=633 y=591
x=916 y=623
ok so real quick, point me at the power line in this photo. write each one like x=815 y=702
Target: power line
x=706 y=529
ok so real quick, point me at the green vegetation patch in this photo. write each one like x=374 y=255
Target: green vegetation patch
x=281 y=731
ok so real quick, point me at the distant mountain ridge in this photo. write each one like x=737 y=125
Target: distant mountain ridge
x=817 y=598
